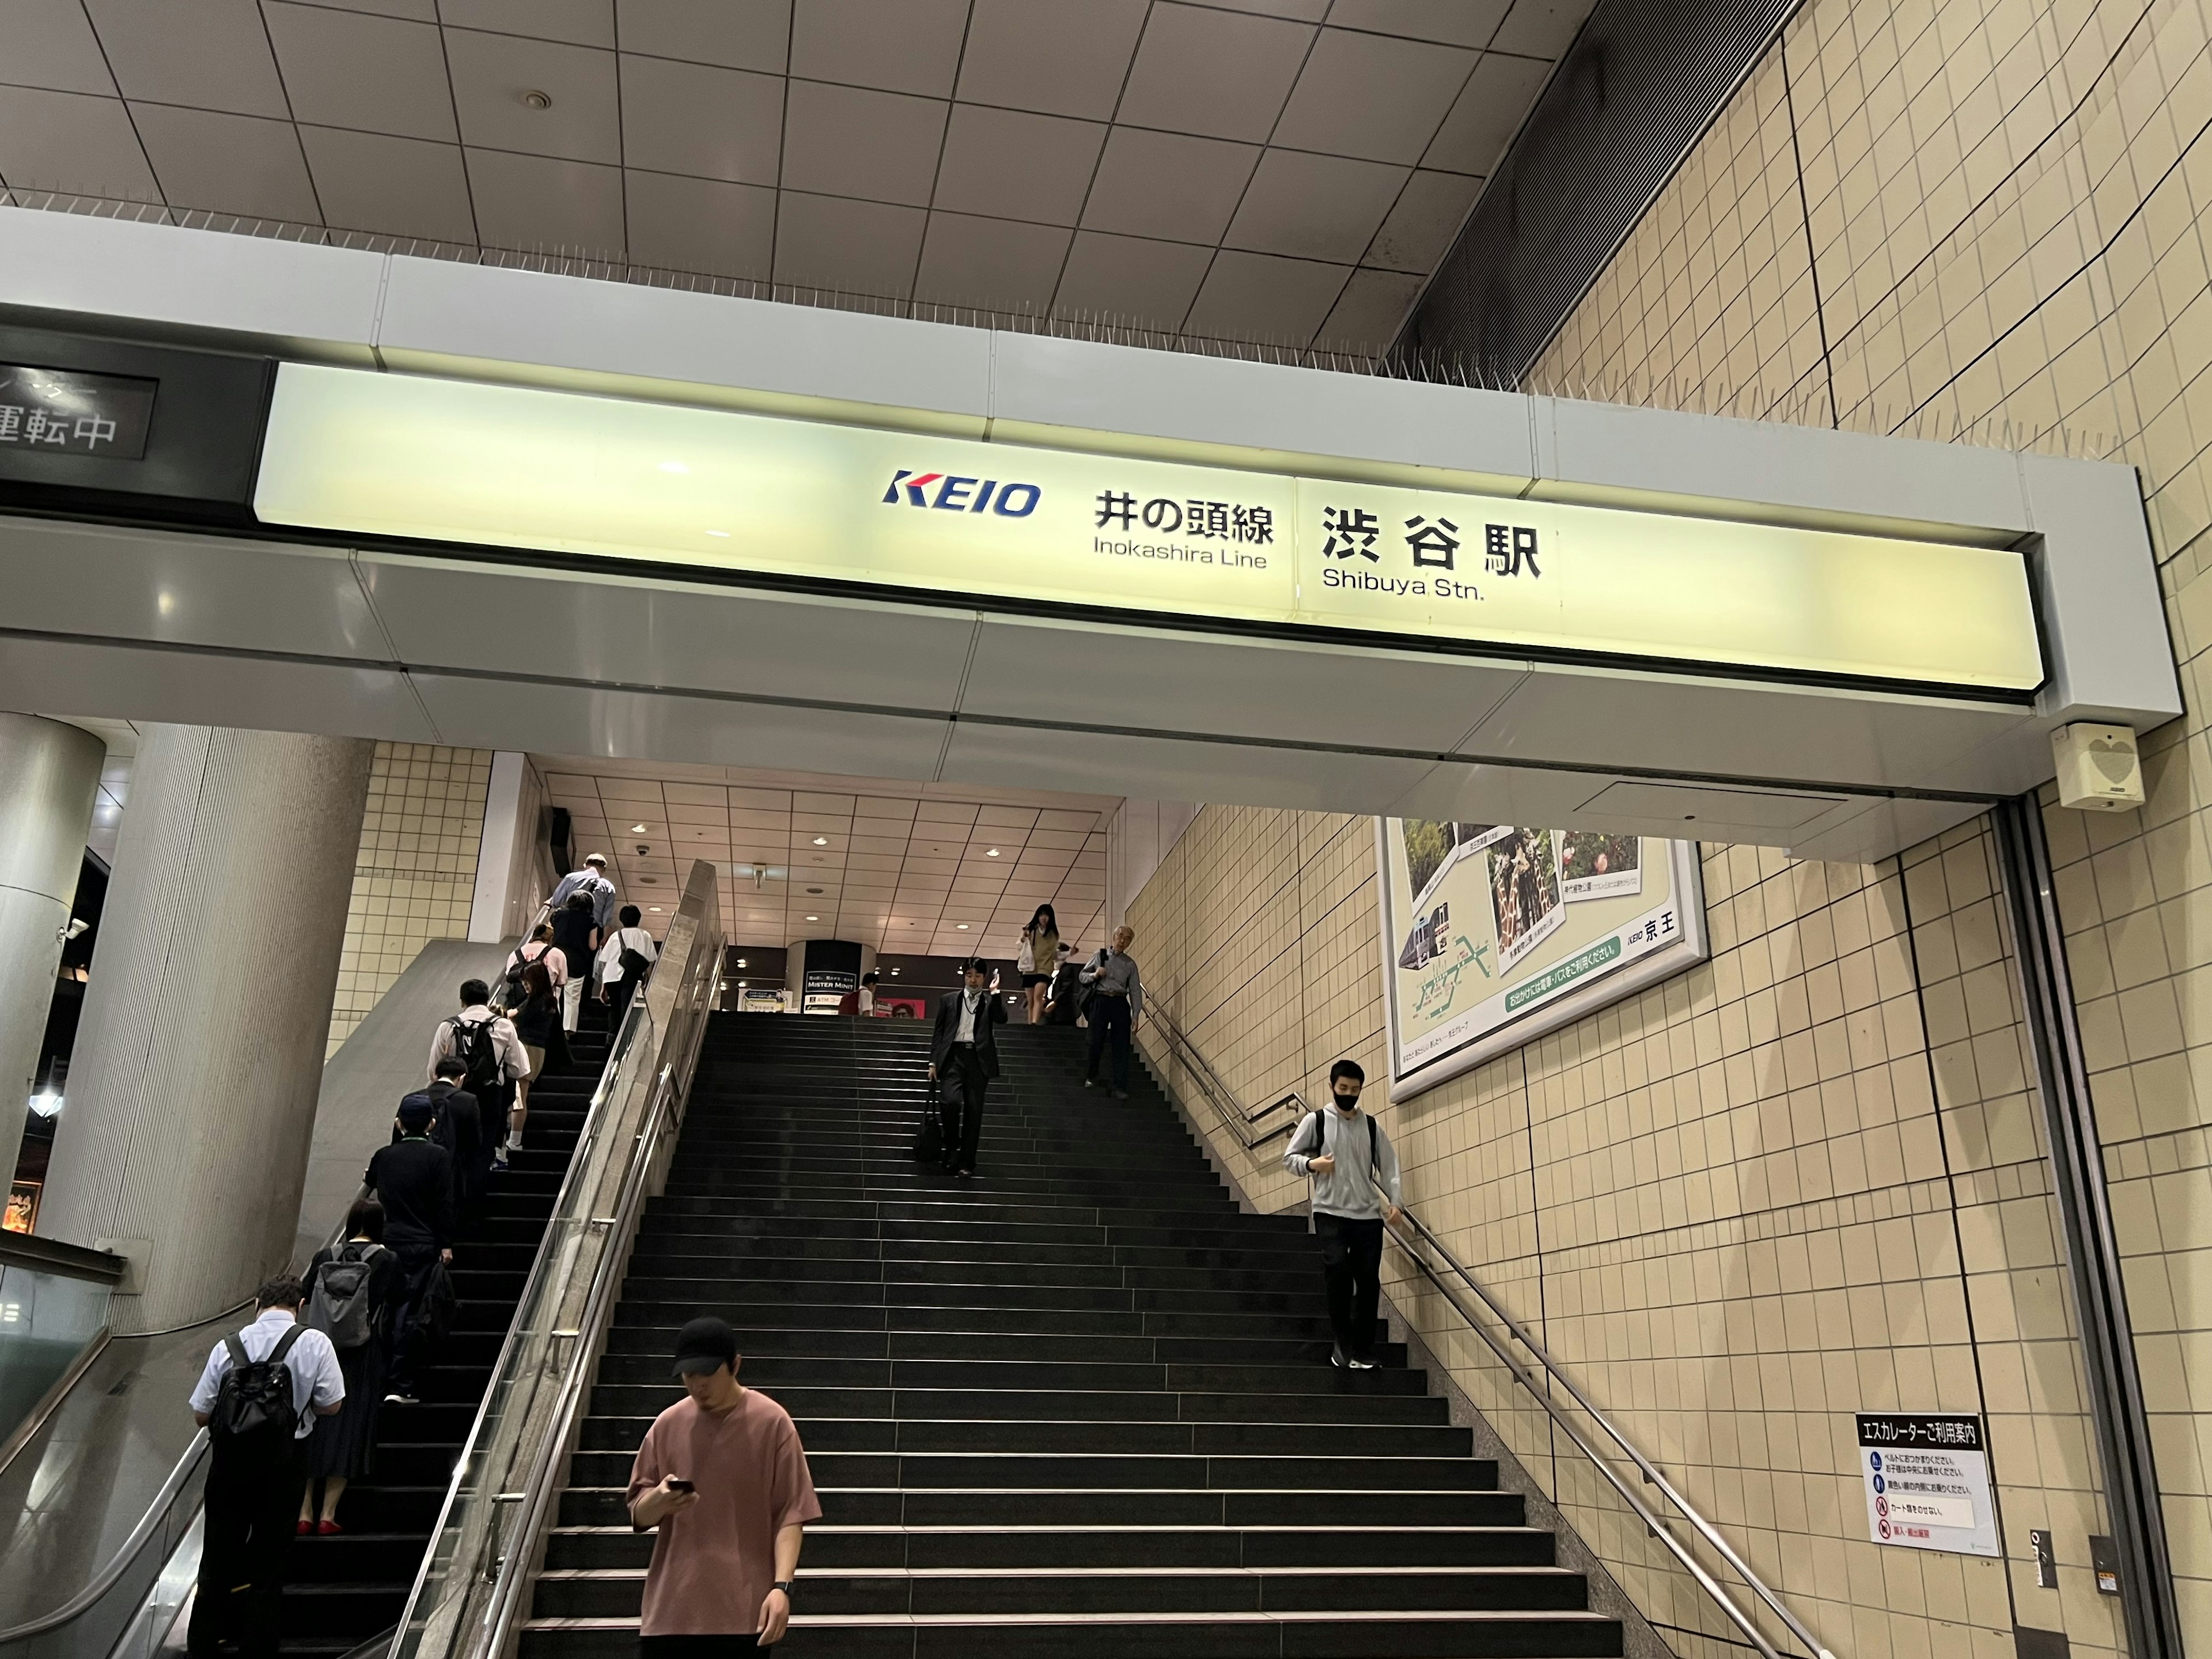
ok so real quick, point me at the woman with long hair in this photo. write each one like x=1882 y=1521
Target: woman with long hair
x=1040 y=954
x=343 y=1448
x=537 y=1023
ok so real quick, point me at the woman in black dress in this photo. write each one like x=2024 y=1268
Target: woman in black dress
x=342 y=1448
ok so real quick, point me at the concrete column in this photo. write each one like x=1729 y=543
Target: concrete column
x=191 y=1099
x=49 y=776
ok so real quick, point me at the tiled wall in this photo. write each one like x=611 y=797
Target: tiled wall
x=415 y=876
x=1802 y=1181
x=1985 y=220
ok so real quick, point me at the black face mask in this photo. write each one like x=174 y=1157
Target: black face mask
x=1346 y=1102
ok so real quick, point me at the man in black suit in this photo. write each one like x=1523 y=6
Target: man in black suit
x=963 y=1058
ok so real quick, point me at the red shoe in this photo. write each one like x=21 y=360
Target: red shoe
x=303 y=1528
x=329 y=1527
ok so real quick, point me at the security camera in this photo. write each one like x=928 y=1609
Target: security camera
x=77 y=929
x=642 y=849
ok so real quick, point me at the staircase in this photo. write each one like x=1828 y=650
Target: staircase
x=353 y=1585
x=1082 y=1407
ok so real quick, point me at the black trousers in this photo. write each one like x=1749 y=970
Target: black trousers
x=1110 y=1022
x=253 y=1505
x=407 y=1347
x=1352 y=1269
x=962 y=1093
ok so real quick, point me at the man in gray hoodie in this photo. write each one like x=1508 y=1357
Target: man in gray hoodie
x=1354 y=1171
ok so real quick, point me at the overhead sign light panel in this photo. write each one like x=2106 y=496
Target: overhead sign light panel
x=452 y=461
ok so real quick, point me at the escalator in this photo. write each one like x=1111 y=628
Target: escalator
x=349 y=1587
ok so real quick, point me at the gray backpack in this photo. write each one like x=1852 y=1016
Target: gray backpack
x=341 y=1308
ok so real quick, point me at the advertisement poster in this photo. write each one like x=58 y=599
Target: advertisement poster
x=1494 y=933
x=824 y=988
x=1927 y=1482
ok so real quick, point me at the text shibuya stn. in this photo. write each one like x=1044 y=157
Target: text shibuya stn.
x=1411 y=586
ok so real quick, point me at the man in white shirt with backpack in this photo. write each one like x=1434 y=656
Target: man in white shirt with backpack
x=492 y=1054
x=258 y=1397
x=623 y=962
x=1354 y=1171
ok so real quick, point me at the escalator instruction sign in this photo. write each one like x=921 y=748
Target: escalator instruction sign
x=1927 y=1482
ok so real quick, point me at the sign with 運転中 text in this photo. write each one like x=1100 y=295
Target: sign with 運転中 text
x=450 y=461
x=60 y=411
x=1927 y=1480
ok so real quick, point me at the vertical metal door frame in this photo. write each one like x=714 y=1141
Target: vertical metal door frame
x=2093 y=1256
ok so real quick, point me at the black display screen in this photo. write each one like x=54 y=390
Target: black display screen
x=66 y=411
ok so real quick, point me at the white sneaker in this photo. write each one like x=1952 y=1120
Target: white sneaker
x=1359 y=1364
x=1336 y=1357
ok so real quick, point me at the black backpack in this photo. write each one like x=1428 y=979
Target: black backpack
x=340 y=1307
x=255 y=1395
x=472 y=1042
x=634 y=966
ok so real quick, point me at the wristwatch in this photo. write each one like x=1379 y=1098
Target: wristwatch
x=783 y=1584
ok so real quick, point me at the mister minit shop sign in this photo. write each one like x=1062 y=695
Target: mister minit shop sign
x=452 y=461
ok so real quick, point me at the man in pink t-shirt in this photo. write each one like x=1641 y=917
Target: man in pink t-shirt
x=723 y=1479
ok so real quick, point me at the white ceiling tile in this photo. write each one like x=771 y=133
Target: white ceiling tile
x=491 y=73
x=1222 y=74
x=213 y=54
x=343 y=69
x=1260 y=296
x=1487 y=113
x=399 y=186
x=1420 y=228
x=1062 y=56
x=65 y=141
x=51 y=43
x=847 y=141
x=1372 y=96
x=1001 y=264
x=1016 y=165
x=1303 y=11
x=1540 y=28
x=226 y=162
x=754 y=34
x=695 y=118
x=1313 y=207
x=532 y=203
x=579 y=23
x=1451 y=22
x=1168 y=185
x=862 y=247
x=894 y=46
x=1131 y=280
x=701 y=224
x=1370 y=312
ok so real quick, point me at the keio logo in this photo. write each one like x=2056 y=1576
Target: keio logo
x=957 y=495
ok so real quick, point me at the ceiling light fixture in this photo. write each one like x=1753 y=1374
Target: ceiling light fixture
x=535 y=99
x=821 y=841
x=963 y=927
x=637 y=829
x=655 y=908
x=993 y=853
x=814 y=917
x=741 y=962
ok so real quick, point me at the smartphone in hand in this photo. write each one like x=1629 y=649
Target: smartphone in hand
x=676 y=1483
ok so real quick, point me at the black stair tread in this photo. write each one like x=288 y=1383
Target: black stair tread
x=1153 y=1361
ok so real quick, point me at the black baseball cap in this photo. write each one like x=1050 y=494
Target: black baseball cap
x=416 y=1110
x=703 y=1345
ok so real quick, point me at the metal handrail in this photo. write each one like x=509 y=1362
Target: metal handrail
x=1226 y=1107
x=1649 y=1472
x=41 y=1255
x=509 y=1542
x=1217 y=1094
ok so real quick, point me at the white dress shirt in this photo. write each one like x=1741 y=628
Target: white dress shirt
x=514 y=1058
x=622 y=940
x=317 y=1382
x=965 y=1029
